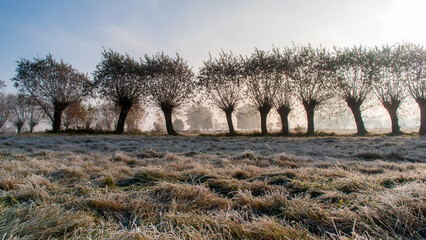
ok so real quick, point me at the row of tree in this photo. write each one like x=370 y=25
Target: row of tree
x=268 y=79
x=19 y=110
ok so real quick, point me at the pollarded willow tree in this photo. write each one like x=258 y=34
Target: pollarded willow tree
x=355 y=71
x=222 y=81
x=389 y=86
x=171 y=83
x=311 y=72
x=415 y=77
x=19 y=110
x=121 y=80
x=53 y=85
x=284 y=96
x=262 y=71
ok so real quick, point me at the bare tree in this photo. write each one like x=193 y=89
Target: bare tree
x=171 y=83
x=122 y=80
x=105 y=115
x=2 y=84
x=415 y=77
x=158 y=125
x=90 y=119
x=355 y=73
x=283 y=98
x=222 y=81
x=4 y=109
x=311 y=74
x=136 y=114
x=178 y=124
x=389 y=87
x=18 y=110
x=262 y=70
x=35 y=113
x=247 y=117
x=53 y=85
x=109 y=115
x=199 y=117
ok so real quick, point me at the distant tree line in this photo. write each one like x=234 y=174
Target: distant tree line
x=268 y=80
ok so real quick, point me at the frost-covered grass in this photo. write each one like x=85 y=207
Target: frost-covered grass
x=157 y=187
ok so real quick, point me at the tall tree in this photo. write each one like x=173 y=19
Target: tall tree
x=312 y=78
x=284 y=98
x=262 y=69
x=222 y=81
x=355 y=73
x=389 y=87
x=122 y=80
x=170 y=85
x=19 y=110
x=414 y=77
x=53 y=85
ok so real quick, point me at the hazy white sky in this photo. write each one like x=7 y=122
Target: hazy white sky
x=78 y=30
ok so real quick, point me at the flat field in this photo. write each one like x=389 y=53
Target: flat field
x=206 y=187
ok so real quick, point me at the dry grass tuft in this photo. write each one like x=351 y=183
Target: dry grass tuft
x=41 y=221
x=188 y=197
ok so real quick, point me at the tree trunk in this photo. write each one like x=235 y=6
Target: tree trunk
x=57 y=117
x=229 y=120
x=355 y=106
x=19 y=127
x=169 y=124
x=310 y=110
x=392 y=108
x=422 y=106
x=284 y=111
x=122 y=118
x=264 y=111
x=32 y=127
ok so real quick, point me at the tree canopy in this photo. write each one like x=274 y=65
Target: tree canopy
x=122 y=80
x=171 y=83
x=222 y=80
x=311 y=72
x=53 y=85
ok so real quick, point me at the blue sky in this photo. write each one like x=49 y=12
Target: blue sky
x=78 y=30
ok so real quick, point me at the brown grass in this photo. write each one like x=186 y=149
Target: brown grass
x=153 y=195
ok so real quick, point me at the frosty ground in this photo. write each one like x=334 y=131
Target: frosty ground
x=208 y=187
x=319 y=148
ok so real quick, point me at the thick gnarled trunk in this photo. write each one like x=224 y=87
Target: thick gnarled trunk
x=169 y=123
x=264 y=111
x=422 y=106
x=19 y=126
x=310 y=110
x=284 y=111
x=228 y=113
x=58 y=109
x=122 y=118
x=355 y=106
x=392 y=108
x=32 y=126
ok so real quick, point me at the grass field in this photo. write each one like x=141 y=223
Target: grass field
x=158 y=187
